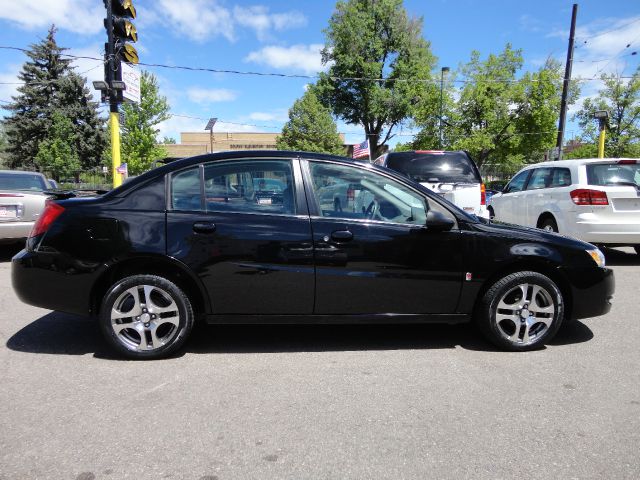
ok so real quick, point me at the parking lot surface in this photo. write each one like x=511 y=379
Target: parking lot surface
x=321 y=402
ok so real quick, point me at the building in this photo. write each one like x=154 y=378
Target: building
x=198 y=143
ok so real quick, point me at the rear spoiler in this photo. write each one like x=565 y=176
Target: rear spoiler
x=64 y=194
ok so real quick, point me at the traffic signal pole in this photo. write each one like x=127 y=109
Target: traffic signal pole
x=114 y=114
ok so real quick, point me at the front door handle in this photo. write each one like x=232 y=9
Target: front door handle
x=342 y=235
x=204 y=227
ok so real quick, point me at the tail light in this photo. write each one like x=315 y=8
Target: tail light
x=351 y=194
x=627 y=162
x=585 y=196
x=483 y=194
x=10 y=195
x=51 y=212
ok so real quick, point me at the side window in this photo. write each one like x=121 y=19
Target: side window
x=517 y=183
x=349 y=192
x=185 y=190
x=561 y=177
x=264 y=186
x=540 y=178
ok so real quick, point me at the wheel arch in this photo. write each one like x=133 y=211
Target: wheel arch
x=546 y=268
x=544 y=216
x=170 y=269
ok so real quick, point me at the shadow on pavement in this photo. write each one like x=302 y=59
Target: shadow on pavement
x=64 y=334
x=617 y=257
x=9 y=250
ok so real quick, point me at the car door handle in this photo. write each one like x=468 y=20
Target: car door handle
x=341 y=235
x=204 y=227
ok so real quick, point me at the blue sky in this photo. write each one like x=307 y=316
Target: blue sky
x=285 y=37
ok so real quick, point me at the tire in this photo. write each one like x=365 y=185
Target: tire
x=549 y=224
x=517 y=326
x=158 y=311
x=637 y=249
x=492 y=214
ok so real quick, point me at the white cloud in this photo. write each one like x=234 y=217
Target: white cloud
x=262 y=22
x=78 y=16
x=178 y=124
x=275 y=116
x=211 y=95
x=304 y=58
x=199 y=20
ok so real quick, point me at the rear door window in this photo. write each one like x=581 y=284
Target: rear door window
x=445 y=167
x=613 y=174
x=561 y=177
x=540 y=178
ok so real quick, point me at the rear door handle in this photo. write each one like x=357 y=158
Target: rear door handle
x=342 y=235
x=204 y=227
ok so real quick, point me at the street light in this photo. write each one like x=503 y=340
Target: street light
x=443 y=70
x=210 y=124
x=603 y=118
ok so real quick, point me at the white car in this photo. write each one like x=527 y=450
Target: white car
x=22 y=200
x=452 y=174
x=596 y=200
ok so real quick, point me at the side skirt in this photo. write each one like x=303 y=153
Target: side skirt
x=387 y=318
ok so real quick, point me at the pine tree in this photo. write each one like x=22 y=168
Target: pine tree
x=50 y=85
x=310 y=128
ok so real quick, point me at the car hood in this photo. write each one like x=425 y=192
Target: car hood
x=530 y=234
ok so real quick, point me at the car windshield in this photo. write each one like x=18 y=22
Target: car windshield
x=613 y=173
x=441 y=167
x=22 y=181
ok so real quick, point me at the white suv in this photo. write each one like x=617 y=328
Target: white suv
x=452 y=174
x=595 y=200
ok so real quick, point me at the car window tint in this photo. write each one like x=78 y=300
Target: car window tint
x=250 y=186
x=517 y=183
x=185 y=190
x=443 y=167
x=540 y=178
x=613 y=173
x=349 y=192
x=561 y=177
x=22 y=181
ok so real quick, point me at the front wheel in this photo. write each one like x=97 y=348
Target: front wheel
x=146 y=317
x=549 y=225
x=521 y=311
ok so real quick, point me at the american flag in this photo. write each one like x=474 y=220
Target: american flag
x=361 y=150
x=122 y=169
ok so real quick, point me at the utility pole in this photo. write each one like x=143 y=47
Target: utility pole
x=567 y=79
x=443 y=70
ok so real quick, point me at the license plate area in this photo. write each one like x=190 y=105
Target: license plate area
x=626 y=204
x=8 y=211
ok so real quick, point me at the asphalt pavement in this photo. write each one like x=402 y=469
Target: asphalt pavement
x=321 y=402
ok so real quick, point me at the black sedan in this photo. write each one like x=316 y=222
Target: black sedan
x=195 y=240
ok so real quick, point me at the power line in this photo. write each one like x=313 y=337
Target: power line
x=610 y=31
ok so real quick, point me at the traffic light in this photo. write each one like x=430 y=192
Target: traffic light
x=122 y=30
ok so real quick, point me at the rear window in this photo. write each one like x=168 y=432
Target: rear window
x=613 y=173
x=446 y=167
x=22 y=181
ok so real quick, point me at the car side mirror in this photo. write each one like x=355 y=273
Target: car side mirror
x=438 y=221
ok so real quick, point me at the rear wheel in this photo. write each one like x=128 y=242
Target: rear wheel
x=521 y=311
x=492 y=214
x=549 y=224
x=146 y=317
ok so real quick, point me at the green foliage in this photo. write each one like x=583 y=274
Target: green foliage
x=56 y=155
x=139 y=145
x=622 y=100
x=50 y=86
x=168 y=141
x=376 y=39
x=499 y=118
x=4 y=144
x=310 y=128
x=587 y=150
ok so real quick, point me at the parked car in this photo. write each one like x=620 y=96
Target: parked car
x=22 y=200
x=187 y=241
x=454 y=175
x=595 y=200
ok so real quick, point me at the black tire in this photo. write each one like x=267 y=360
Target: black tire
x=637 y=249
x=156 y=309
x=492 y=214
x=549 y=224
x=521 y=334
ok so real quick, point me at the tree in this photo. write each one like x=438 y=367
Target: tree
x=380 y=67
x=50 y=85
x=139 y=144
x=501 y=118
x=622 y=100
x=310 y=127
x=56 y=155
x=168 y=141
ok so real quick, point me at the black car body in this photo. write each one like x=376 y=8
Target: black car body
x=192 y=234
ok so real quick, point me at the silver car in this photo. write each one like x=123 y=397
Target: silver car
x=22 y=200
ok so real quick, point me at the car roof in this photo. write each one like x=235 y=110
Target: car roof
x=575 y=162
x=20 y=172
